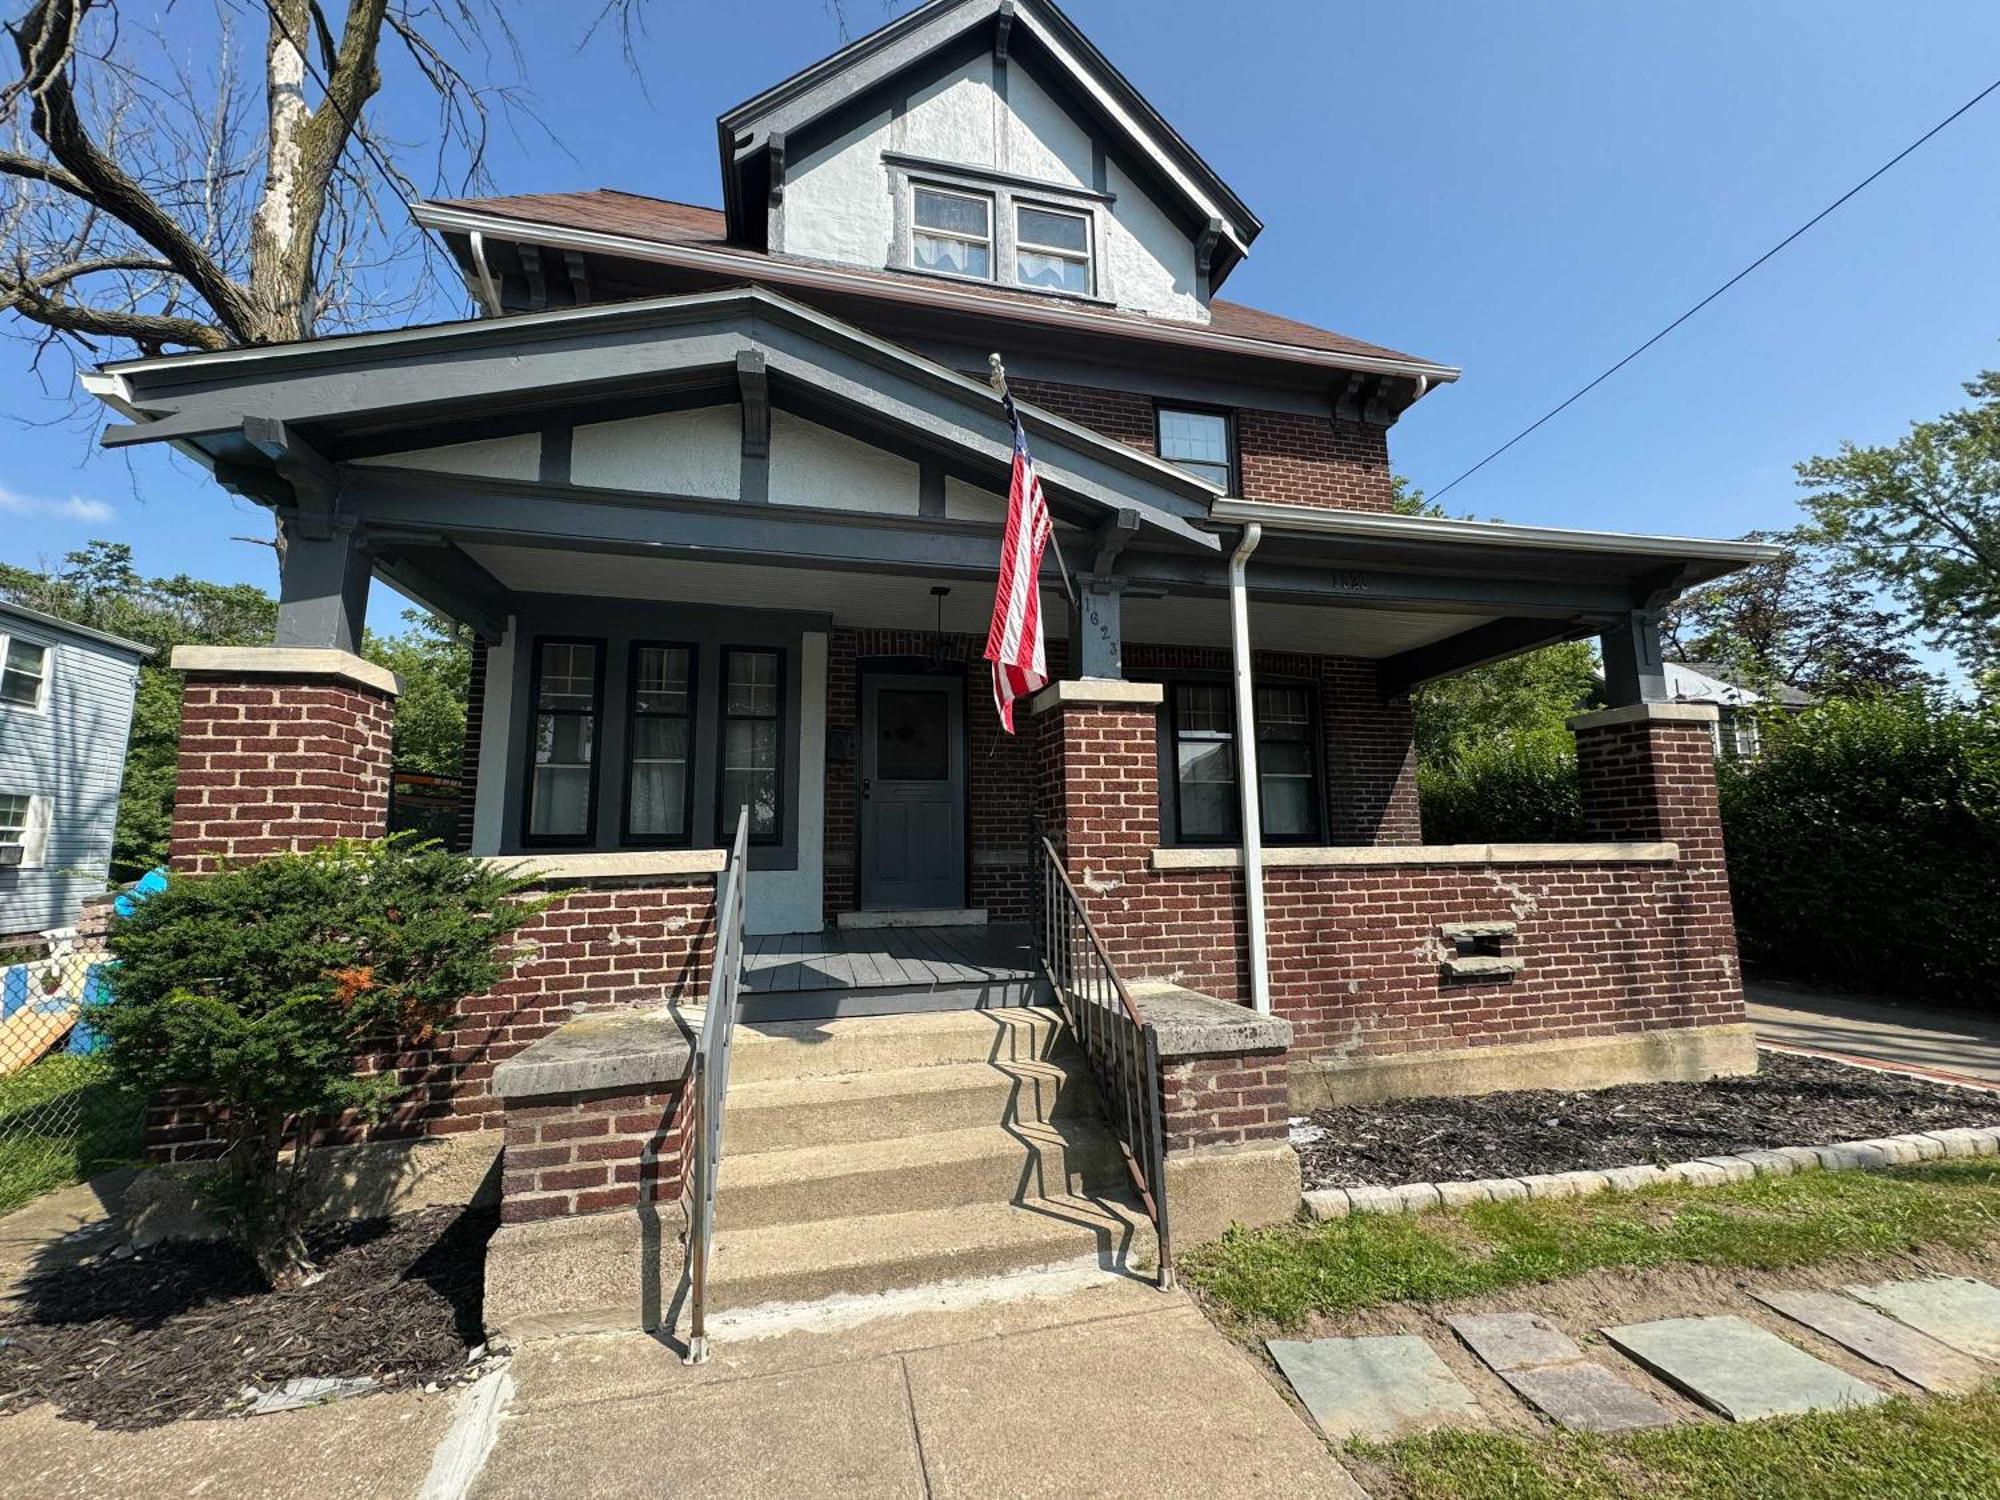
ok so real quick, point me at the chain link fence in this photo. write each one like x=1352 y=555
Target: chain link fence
x=61 y=1118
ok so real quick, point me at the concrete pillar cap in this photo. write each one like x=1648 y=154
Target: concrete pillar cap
x=1110 y=692
x=295 y=662
x=1647 y=713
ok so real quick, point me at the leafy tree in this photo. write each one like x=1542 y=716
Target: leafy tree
x=1799 y=619
x=262 y=986
x=434 y=663
x=1524 y=697
x=1922 y=516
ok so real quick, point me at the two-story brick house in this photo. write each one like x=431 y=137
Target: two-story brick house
x=720 y=492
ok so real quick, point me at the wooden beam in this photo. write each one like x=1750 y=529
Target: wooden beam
x=1494 y=641
x=753 y=385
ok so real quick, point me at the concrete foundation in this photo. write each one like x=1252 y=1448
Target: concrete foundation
x=1680 y=1055
x=1208 y=1191
x=590 y=1273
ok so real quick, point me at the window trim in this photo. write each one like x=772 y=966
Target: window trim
x=725 y=827
x=1088 y=255
x=1004 y=191
x=626 y=837
x=588 y=838
x=991 y=240
x=1200 y=409
x=40 y=707
x=38 y=822
x=1170 y=766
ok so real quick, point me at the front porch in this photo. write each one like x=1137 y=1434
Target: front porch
x=847 y=970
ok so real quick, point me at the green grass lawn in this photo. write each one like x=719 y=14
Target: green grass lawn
x=62 y=1121
x=1282 y=1276
x=1936 y=1449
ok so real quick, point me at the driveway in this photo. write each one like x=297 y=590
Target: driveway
x=1854 y=1026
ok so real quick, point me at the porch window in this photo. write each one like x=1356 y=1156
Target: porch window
x=562 y=794
x=659 y=788
x=1051 y=249
x=753 y=711
x=1197 y=441
x=952 y=233
x=24 y=674
x=1203 y=731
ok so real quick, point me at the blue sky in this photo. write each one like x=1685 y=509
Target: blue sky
x=1523 y=190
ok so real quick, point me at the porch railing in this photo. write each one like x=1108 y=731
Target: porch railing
x=709 y=1079
x=1123 y=1048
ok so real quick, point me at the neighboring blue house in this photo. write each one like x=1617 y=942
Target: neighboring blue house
x=65 y=715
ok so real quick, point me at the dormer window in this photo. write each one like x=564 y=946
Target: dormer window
x=952 y=234
x=1051 y=249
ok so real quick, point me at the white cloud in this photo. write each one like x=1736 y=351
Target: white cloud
x=75 y=508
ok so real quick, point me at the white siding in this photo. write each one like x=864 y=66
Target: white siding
x=794 y=900
x=73 y=754
x=816 y=466
x=837 y=203
x=968 y=502
x=518 y=457
x=698 y=452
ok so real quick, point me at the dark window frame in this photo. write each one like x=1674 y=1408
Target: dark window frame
x=529 y=838
x=626 y=837
x=725 y=822
x=1229 y=430
x=1170 y=763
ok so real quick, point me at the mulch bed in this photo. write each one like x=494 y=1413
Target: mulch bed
x=1791 y=1101
x=179 y=1330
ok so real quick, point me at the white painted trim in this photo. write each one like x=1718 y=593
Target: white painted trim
x=286 y=661
x=777 y=901
x=1321 y=856
x=45 y=695
x=1647 y=713
x=489 y=789
x=1101 y=690
x=621 y=864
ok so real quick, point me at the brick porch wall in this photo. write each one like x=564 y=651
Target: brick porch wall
x=586 y=1153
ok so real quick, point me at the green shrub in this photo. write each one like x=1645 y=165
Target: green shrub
x=260 y=987
x=1519 y=788
x=1864 y=847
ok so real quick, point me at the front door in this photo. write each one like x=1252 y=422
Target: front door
x=912 y=792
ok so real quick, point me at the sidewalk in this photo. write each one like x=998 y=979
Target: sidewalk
x=1904 y=1035
x=1109 y=1389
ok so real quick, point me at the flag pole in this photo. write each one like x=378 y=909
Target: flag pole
x=997 y=377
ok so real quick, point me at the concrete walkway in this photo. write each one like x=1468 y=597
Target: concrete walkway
x=1854 y=1026
x=1100 y=1389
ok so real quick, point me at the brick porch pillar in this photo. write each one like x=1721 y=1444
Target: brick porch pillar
x=1100 y=798
x=281 y=748
x=1646 y=773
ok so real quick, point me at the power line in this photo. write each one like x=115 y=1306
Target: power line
x=1557 y=410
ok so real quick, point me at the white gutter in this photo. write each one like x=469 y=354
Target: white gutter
x=487 y=294
x=1246 y=769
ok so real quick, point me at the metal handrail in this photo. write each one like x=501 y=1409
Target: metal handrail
x=709 y=1079
x=1122 y=1046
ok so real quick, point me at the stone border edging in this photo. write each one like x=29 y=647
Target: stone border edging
x=1708 y=1171
x=1313 y=855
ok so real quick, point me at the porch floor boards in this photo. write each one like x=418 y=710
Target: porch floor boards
x=899 y=958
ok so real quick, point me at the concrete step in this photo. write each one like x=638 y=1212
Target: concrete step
x=885 y=1252
x=787 y=1114
x=943 y=1169
x=766 y=1050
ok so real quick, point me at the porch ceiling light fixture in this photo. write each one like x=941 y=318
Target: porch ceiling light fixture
x=941 y=651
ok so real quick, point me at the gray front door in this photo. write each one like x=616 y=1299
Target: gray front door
x=912 y=792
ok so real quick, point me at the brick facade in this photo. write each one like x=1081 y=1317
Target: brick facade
x=1286 y=457
x=270 y=764
x=587 y=1153
x=1355 y=951
x=1243 y=1099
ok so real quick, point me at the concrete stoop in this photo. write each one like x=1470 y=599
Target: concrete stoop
x=859 y=1156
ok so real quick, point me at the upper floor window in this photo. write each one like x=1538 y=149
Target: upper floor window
x=1051 y=249
x=1198 y=441
x=952 y=233
x=24 y=673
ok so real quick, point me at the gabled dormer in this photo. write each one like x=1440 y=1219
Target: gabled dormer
x=986 y=142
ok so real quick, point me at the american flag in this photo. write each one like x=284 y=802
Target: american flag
x=1014 y=643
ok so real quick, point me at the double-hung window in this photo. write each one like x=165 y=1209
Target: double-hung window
x=753 y=713
x=952 y=233
x=1051 y=249
x=1203 y=732
x=23 y=827
x=24 y=674
x=562 y=789
x=659 y=780
x=1197 y=441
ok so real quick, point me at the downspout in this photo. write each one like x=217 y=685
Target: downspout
x=487 y=292
x=1246 y=768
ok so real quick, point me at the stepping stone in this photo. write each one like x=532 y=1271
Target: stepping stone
x=1547 y=1369
x=1954 y=1310
x=1734 y=1367
x=1918 y=1358
x=1377 y=1388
